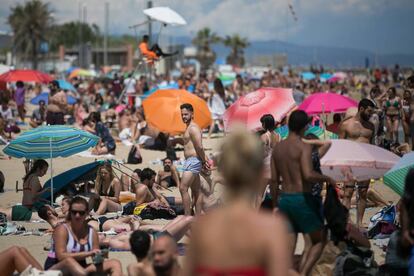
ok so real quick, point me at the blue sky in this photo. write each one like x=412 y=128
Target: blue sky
x=383 y=26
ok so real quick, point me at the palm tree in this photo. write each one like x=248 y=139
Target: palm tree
x=31 y=25
x=203 y=41
x=237 y=45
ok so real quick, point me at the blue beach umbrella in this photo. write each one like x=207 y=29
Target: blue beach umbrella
x=308 y=75
x=45 y=97
x=49 y=142
x=65 y=85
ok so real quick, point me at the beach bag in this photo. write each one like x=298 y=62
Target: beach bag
x=336 y=215
x=383 y=221
x=355 y=261
x=159 y=212
x=134 y=156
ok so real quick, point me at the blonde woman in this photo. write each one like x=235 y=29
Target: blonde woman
x=246 y=241
x=108 y=187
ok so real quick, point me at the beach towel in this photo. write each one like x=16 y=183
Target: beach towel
x=89 y=154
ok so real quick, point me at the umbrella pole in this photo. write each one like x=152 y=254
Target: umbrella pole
x=51 y=172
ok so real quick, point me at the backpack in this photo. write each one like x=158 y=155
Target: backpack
x=355 y=261
x=134 y=156
x=336 y=215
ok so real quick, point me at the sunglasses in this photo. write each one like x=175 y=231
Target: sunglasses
x=74 y=212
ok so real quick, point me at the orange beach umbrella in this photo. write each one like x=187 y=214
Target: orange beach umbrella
x=162 y=110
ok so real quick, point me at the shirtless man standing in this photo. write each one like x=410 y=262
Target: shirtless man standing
x=57 y=105
x=292 y=162
x=195 y=161
x=358 y=129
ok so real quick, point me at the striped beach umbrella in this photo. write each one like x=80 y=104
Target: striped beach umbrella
x=395 y=178
x=49 y=142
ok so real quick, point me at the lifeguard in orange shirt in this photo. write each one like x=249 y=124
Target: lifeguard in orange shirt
x=153 y=53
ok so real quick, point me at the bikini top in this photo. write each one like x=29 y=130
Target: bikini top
x=111 y=192
x=396 y=104
x=254 y=271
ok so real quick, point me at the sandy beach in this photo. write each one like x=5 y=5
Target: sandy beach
x=14 y=171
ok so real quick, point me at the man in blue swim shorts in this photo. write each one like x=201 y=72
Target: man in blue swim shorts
x=196 y=160
x=292 y=163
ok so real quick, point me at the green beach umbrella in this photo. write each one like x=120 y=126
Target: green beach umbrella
x=395 y=178
x=322 y=134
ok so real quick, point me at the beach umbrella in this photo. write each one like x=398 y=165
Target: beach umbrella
x=165 y=15
x=325 y=76
x=340 y=75
x=363 y=161
x=162 y=110
x=25 y=76
x=50 y=142
x=322 y=102
x=65 y=85
x=395 y=178
x=249 y=108
x=45 y=97
x=81 y=73
x=75 y=175
x=308 y=75
x=334 y=79
x=321 y=133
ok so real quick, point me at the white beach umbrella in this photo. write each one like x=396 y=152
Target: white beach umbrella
x=165 y=15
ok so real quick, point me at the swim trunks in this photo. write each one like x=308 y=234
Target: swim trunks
x=193 y=164
x=303 y=211
x=21 y=213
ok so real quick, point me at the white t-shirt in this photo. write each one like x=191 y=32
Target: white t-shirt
x=6 y=114
x=130 y=85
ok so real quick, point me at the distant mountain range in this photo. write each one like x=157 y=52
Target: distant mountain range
x=306 y=55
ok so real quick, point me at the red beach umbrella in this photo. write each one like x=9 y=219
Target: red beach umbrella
x=249 y=108
x=25 y=76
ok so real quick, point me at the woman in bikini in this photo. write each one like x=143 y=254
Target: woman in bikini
x=236 y=239
x=108 y=187
x=269 y=138
x=75 y=239
x=393 y=111
x=406 y=103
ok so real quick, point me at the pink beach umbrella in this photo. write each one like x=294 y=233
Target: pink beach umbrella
x=120 y=108
x=321 y=102
x=347 y=160
x=334 y=79
x=248 y=109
